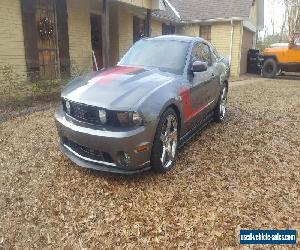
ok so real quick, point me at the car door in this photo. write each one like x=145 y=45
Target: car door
x=293 y=54
x=201 y=83
x=218 y=75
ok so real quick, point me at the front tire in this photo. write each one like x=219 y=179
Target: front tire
x=270 y=68
x=165 y=144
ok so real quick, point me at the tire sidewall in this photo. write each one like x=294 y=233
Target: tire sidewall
x=270 y=62
x=155 y=153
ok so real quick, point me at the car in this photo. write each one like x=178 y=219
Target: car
x=133 y=117
x=282 y=57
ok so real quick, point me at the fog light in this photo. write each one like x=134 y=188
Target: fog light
x=124 y=159
x=68 y=107
x=102 y=116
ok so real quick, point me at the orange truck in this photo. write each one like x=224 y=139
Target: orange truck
x=281 y=57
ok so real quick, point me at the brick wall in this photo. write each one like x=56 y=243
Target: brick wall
x=11 y=37
x=221 y=39
x=114 y=33
x=253 y=14
x=188 y=30
x=80 y=34
x=125 y=21
x=247 y=43
x=156 y=28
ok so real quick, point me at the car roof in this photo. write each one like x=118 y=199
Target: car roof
x=176 y=38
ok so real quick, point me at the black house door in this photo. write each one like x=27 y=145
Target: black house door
x=96 y=36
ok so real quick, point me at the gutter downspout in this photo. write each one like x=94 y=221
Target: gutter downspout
x=231 y=42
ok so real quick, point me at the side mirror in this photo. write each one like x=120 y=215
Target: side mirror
x=199 y=66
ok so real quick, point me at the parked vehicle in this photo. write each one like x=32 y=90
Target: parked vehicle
x=134 y=116
x=281 y=57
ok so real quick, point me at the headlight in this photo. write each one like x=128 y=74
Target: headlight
x=66 y=106
x=137 y=119
x=129 y=118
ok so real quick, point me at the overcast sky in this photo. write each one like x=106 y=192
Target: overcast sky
x=273 y=8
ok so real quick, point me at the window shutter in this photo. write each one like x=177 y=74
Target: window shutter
x=63 y=37
x=30 y=38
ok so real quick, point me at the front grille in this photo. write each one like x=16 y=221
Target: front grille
x=83 y=112
x=86 y=152
x=89 y=114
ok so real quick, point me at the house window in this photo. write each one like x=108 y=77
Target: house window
x=139 y=28
x=168 y=29
x=205 y=32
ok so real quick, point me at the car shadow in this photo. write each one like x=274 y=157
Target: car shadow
x=290 y=76
x=151 y=174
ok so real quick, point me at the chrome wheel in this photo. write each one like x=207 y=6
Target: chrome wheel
x=169 y=141
x=223 y=103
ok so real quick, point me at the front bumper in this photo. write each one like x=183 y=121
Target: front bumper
x=110 y=142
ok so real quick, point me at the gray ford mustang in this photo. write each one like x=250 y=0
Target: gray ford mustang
x=134 y=116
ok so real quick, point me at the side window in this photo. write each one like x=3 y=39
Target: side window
x=201 y=52
x=215 y=55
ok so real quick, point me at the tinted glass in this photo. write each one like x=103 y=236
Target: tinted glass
x=166 y=55
x=216 y=53
x=201 y=52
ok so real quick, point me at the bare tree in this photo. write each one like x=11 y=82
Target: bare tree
x=292 y=14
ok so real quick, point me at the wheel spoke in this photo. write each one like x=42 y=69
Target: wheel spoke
x=223 y=103
x=169 y=124
x=163 y=138
x=169 y=139
x=163 y=156
x=173 y=135
x=173 y=149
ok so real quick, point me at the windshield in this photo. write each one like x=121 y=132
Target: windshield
x=166 y=55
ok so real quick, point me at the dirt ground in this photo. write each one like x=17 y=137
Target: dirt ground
x=244 y=173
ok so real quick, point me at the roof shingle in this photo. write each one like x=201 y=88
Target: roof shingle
x=197 y=10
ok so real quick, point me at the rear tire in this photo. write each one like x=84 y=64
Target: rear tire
x=220 y=110
x=270 y=68
x=165 y=144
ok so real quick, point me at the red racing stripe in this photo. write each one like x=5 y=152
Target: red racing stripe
x=188 y=110
x=109 y=75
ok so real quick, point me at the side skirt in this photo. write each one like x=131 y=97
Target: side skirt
x=197 y=129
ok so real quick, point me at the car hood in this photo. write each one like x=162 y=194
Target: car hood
x=117 y=88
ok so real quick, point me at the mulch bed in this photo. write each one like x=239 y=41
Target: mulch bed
x=244 y=173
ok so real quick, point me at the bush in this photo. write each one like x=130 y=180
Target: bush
x=14 y=90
